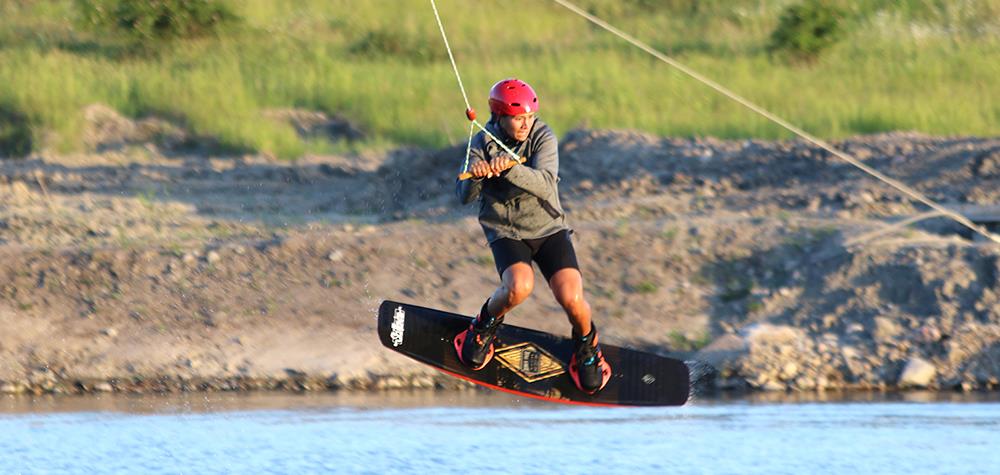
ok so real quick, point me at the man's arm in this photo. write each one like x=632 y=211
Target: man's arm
x=468 y=190
x=540 y=179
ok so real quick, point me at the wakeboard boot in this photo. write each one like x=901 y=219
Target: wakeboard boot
x=587 y=367
x=475 y=345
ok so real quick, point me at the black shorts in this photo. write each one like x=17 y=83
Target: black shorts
x=551 y=253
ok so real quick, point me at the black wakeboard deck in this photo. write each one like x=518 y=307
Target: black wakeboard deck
x=532 y=363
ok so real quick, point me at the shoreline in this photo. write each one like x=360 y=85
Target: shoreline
x=389 y=386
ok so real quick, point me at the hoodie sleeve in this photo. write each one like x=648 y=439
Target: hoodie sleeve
x=468 y=190
x=540 y=178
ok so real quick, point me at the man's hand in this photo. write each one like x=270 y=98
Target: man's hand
x=495 y=163
x=480 y=169
x=483 y=169
x=500 y=163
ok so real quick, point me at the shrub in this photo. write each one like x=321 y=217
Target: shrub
x=805 y=30
x=15 y=133
x=156 y=19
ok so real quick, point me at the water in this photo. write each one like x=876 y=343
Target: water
x=439 y=433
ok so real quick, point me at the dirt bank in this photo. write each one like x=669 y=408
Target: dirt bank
x=141 y=268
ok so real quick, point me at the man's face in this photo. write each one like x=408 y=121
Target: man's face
x=518 y=126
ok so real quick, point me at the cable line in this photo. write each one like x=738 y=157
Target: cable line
x=905 y=189
x=899 y=186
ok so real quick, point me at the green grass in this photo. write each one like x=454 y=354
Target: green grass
x=681 y=342
x=646 y=287
x=921 y=65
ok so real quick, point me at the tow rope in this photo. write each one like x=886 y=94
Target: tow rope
x=899 y=186
x=470 y=113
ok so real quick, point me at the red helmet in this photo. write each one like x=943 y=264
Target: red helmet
x=512 y=97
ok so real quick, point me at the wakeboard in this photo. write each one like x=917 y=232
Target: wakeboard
x=532 y=363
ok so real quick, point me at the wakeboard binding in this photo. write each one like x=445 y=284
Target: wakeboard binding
x=588 y=368
x=475 y=345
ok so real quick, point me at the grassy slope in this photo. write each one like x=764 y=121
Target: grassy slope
x=915 y=65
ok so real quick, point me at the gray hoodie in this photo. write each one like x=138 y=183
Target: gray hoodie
x=523 y=202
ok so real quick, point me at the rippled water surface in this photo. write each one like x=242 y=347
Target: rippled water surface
x=478 y=432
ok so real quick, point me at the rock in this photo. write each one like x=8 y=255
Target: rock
x=805 y=383
x=987 y=165
x=773 y=386
x=391 y=382
x=336 y=256
x=213 y=257
x=918 y=373
x=928 y=334
x=758 y=381
x=11 y=388
x=103 y=387
x=336 y=381
x=813 y=204
x=295 y=373
x=886 y=329
x=110 y=332
x=424 y=381
x=789 y=371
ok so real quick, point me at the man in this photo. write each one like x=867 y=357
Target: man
x=520 y=214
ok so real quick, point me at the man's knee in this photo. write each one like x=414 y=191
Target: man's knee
x=569 y=298
x=519 y=290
